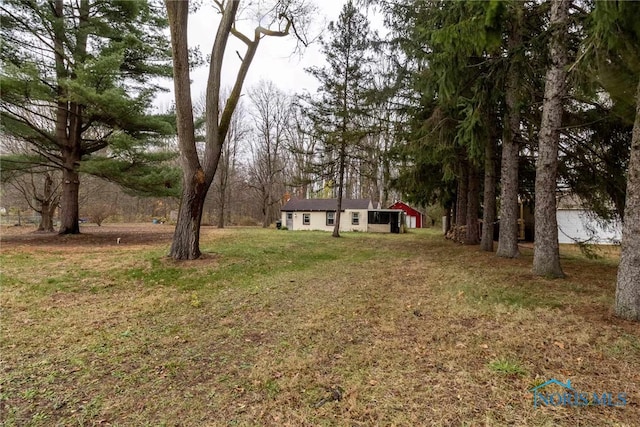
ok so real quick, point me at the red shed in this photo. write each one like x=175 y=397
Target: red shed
x=414 y=218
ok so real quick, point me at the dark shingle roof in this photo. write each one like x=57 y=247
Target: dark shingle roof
x=314 y=205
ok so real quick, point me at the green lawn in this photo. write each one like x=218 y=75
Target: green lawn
x=272 y=327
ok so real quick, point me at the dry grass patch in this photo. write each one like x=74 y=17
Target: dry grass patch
x=285 y=328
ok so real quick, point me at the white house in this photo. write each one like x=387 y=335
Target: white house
x=577 y=224
x=356 y=215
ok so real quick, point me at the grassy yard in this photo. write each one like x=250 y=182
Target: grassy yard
x=280 y=328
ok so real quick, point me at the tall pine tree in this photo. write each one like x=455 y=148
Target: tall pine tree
x=546 y=256
x=77 y=81
x=615 y=40
x=341 y=102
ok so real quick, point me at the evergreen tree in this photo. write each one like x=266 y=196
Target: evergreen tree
x=628 y=284
x=452 y=50
x=339 y=110
x=546 y=256
x=615 y=40
x=511 y=141
x=76 y=84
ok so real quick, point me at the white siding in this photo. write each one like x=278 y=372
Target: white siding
x=410 y=221
x=318 y=221
x=577 y=225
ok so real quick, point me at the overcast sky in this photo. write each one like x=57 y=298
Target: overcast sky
x=275 y=59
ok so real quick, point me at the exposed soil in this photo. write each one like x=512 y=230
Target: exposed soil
x=91 y=235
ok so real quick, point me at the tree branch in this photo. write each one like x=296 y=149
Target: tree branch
x=240 y=36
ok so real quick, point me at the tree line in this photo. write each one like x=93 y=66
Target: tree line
x=525 y=100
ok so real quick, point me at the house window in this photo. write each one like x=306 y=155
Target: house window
x=306 y=219
x=289 y=216
x=355 y=218
x=331 y=218
x=377 y=217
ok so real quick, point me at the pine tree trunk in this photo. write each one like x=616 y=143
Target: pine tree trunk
x=508 y=235
x=546 y=256
x=627 y=303
x=341 y=167
x=447 y=220
x=186 y=237
x=489 y=196
x=461 y=203
x=473 y=207
x=68 y=129
x=69 y=214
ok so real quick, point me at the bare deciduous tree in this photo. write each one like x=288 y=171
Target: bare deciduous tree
x=283 y=19
x=272 y=118
x=227 y=173
x=301 y=150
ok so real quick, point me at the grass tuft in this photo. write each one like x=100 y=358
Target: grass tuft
x=507 y=367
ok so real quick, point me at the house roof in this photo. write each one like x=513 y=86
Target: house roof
x=315 y=205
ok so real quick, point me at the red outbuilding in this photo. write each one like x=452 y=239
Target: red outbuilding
x=414 y=218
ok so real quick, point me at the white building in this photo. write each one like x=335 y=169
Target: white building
x=578 y=225
x=355 y=215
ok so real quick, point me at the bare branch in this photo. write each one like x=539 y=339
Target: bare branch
x=273 y=33
x=240 y=36
x=220 y=5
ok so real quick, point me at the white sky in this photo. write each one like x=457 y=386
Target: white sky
x=274 y=59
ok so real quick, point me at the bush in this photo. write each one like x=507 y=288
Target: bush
x=98 y=213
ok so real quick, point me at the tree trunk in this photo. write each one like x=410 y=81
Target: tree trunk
x=46 y=222
x=341 y=167
x=47 y=205
x=627 y=303
x=221 y=210
x=447 y=220
x=68 y=126
x=223 y=176
x=461 y=202
x=265 y=210
x=509 y=212
x=473 y=206
x=489 y=196
x=186 y=237
x=546 y=256
x=69 y=213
